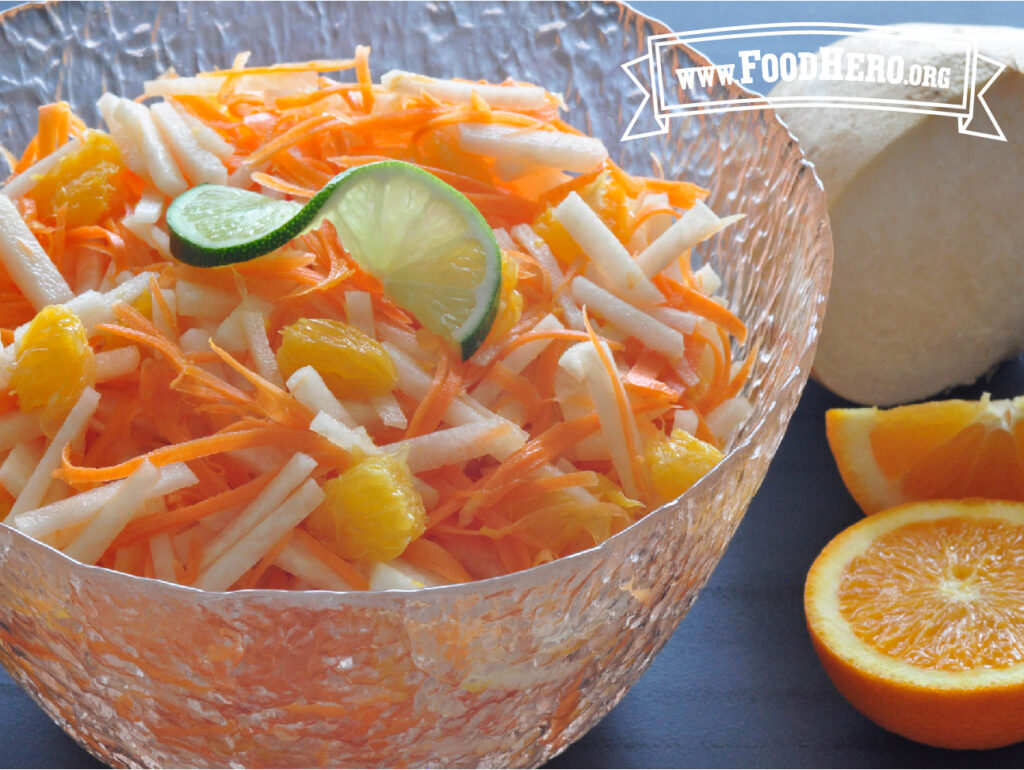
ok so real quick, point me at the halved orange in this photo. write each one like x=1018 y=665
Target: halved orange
x=929 y=451
x=917 y=614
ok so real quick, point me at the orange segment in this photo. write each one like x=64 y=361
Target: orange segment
x=917 y=614
x=929 y=451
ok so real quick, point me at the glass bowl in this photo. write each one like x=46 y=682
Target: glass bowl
x=506 y=671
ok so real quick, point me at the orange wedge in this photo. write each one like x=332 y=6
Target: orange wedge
x=929 y=451
x=918 y=617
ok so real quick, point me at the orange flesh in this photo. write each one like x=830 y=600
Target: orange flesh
x=946 y=594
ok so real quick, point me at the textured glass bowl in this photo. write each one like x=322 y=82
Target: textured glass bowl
x=506 y=671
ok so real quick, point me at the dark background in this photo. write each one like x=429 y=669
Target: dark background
x=738 y=685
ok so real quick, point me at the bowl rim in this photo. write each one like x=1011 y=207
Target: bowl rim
x=540 y=574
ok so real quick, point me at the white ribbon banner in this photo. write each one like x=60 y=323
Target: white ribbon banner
x=899 y=74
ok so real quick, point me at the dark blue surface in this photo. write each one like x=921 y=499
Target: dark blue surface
x=738 y=684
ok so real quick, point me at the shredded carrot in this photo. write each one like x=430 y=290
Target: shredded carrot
x=167 y=521
x=692 y=300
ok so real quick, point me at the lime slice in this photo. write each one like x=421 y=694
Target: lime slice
x=432 y=250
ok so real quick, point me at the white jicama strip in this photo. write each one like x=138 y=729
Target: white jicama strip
x=695 y=225
x=74 y=425
x=261 y=459
x=149 y=208
x=198 y=301
x=518 y=360
x=196 y=340
x=161 y=551
x=342 y=435
x=27 y=179
x=568 y=152
x=160 y=165
x=679 y=320
x=504 y=240
x=629 y=319
x=88 y=271
x=685 y=419
x=93 y=308
x=618 y=437
x=296 y=559
x=294 y=472
x=78 y=508
x=400 y=575
x=253 y=546
x=16 y=427
x=359 y=312
x=457 y=445
x=117 y=362
x=621 y=273
x=725 y=419
x=708 y=279
x=254 y=330
x=390 y=411
x=108 y=522
x=309 y=389
x=513 y=97
x=208 y=138
x=199 y=165
x=230 y=335
x=402 y=339
x=538 y=249
x=131 y=149
x=25 y=261
x=16 y=469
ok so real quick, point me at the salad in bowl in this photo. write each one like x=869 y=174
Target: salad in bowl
x=375 y=419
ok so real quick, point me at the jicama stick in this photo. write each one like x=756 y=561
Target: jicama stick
x=108 y=522
x=118 y=362
x=198 y=164
x=309 y=389
x=620 y=273
x=79 y=508
x=162 y=553
x=26 y=180
x=457 y=445
x=73 y=427
x=295 y=471
x=17 y=467
x=568 y=152
x=159 y=163
x=725 y=419
x=255 y=332
x=16 y=427
x=232 y=564
x=298 y=560
x=24 y=260
x=696 y=225
x=629 y=319
x=340 y=434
